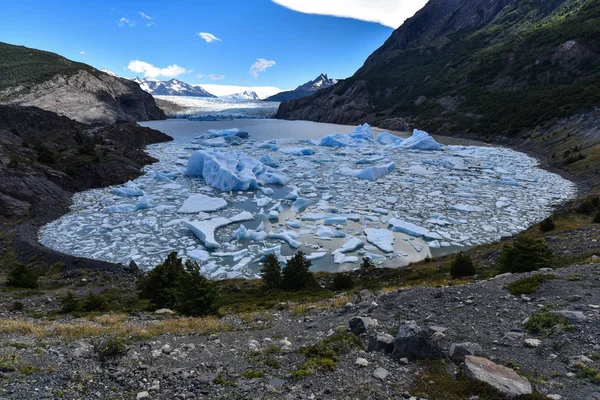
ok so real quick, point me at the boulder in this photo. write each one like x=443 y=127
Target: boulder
x=360 y=325
x=381 y=341
x=574 y=317
x=458 y=351
x=380 y=373
x=412 y=342
x=363 y=295
x=164 y=311
x=503 y=379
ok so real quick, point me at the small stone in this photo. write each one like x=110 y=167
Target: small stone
x=380 y=373
x=142 y=395
x=403 y=361
x=362 y=362
x=554 y=396
x=575 y=317
x=533 y=343
x=437 y=336
x=458 y=351
x=359 y=325
x=164 y=311
x=166 y=349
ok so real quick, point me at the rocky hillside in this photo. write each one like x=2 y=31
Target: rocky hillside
x=30 y=77
x=492 y=67
x=320 y=82
x=45 y=158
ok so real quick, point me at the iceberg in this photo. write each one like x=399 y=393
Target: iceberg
x=409 y=228
x=205 y=230
x=420 y=140
x=297 y=151
x=287 y=236
x=341 y=258
x=466 y=208
x=387 y=138
x=128 y=192
x=232 y=171
x=382 y=238
x=370 y=173
x=300 y=204
x=360 y=136
x=269 y=161
x=201 y=203
x=351 y=245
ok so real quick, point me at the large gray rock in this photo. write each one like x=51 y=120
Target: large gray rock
x=381 y=373
x=458 y=351
x=503 y=379
x=412 y=342
x=381 y=341
x=363 y=295
x=359 y=325
x=574 y=317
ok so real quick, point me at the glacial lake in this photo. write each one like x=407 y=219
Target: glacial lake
x=429 y=203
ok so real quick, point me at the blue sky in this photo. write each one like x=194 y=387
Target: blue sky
x=163 y=39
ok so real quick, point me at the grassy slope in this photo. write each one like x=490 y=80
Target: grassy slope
x=22 y=66
x=541 y=87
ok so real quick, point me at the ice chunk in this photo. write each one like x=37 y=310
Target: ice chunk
x=297 y=151
x=120 y=208
x=388 y=138
x=409 y=228
x=316 y=256
x=199 y=255
x=269 y=161
x=360 y=136
x=341 y=258
x=213 y=133
x=128 y=192
x=232 y=171
x=434 y=244
x=351 y=245
x=286 y=236
x=382 y=238
x=201 y=203
x=420 y=140
x=236 y=255
x=300 y=205
x=466 y=208
x=294 y=224
x=205 y=230
x=326 y=232
x=374 y=173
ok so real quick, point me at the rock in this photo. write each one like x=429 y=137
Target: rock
x=574 y=317
x=432 y=330
x=458 y=351
x=382 y=341
x=363 y=295
x=83 y=351
x=554 y=396
x=403 y=361
x=380 y=373
x=593 y=396
x=166 y=349
x=437 y=336
x=142 y=395
x=362 y=362
x=133 y=267
x=412 y=342
x=533 y=343
x=501 y=378
x=285 y=342
x=576 y=361
x=511 y=337
x=164 y=311
x=360 y=325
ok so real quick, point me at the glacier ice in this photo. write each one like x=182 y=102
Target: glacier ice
x=382 y=238
x=201 y=203
x=420 y=140
x=388 y=138
x=205 y=230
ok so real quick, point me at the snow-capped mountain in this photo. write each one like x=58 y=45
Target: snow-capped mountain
x=109 y=72
x=174 y=87
x=245 y=95
x=227 y=90
x=320 y=82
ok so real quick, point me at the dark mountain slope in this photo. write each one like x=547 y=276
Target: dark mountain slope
x=38 y=78
x=485 y=66
x=320 y=82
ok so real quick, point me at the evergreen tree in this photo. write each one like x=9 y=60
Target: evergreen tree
x=296 y=274
x=270 y=272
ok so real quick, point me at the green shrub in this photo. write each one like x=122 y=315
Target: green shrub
x=179 y=286
x=588 y=205
x=525 y=255
x=528 y=285
x=93 y=302
x=547 y=225
x=46 y=157
x=18 y=306
x=596 y=219
x=22 y=276
x=111 y=349
x=544 y=323
x=342 y=281
x=252 y=374
x=296 y=274
x=367 y=264
x=194 y=294
x=462 y=266
x=69 y=303
x=270 y=272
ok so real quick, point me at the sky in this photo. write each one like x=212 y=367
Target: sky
x=282 y=43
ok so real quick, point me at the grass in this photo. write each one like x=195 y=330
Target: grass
x=252 y=374
x=323 y=356
x=544 y=323
x=528 y=285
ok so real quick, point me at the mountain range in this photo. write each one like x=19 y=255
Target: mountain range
x=173 y=87
x=487 y=67
x=31 y=77
x=307 y=89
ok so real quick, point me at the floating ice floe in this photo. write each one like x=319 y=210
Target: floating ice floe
x=205 y=230
x=201 y=203
x=387 y=138
x=420 y=140
x=359 y=137
x=382 y=238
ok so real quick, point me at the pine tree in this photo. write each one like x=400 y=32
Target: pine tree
x=270 y=272
x=296 y=274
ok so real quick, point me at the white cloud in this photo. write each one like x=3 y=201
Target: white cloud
x=148 y=18
x=390 y=13
x=216 y=77
x=150 y=71
x=200 y=76
x=260 y=66
x=82 y=52
x=123 y=22
x=209 y=37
